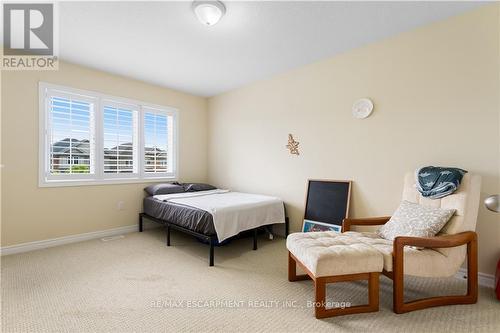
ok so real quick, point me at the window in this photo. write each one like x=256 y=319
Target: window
x=157 y=138
x=90 y=138
x=120 y=140
x=70 y=135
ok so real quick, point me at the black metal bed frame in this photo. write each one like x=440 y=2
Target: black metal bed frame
x=210 y=239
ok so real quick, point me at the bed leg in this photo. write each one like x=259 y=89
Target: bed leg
x=168 y=235
x=254 y=239
x=211 y=252
x=140 y=223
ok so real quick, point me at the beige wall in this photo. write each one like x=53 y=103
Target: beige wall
x=30 y=213
x=436 y=95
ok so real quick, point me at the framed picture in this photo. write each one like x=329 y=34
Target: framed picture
x=327 y=204
x=311 y=226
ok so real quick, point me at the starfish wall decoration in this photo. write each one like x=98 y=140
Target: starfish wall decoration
x=293 y=145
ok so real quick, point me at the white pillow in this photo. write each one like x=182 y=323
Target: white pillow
x=411 y=219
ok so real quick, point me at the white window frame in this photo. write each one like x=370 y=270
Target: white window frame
x=46 y=179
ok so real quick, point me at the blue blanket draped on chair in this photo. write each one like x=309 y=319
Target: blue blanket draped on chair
x=437 y=182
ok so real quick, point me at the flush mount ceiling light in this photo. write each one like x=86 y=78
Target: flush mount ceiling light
x=209 y=12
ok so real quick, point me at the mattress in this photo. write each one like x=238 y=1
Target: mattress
x=188 y=217
x=232 y=212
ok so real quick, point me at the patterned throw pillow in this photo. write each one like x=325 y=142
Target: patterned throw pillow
x=411 y=219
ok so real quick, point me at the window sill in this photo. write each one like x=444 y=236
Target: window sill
x=94 y=182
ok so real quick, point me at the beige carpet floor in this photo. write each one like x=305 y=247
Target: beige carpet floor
x=136 y=284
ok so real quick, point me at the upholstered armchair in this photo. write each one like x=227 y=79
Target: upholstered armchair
x=441 y=256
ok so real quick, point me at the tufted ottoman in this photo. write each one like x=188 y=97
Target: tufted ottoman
x=329 y=257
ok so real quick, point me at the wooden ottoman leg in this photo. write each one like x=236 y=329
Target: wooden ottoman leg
x=292 y=270
x=373 y=291
x=320 y=309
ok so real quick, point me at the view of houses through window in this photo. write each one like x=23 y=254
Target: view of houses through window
x=120 y=144
x=72 y=154
x=156 y=141
x=70 y=135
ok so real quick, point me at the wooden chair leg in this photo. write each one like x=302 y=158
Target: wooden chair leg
x=472 y=272
x=399 y=305
x=397 y=285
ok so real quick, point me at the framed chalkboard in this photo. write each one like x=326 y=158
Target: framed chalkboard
x=327 y=204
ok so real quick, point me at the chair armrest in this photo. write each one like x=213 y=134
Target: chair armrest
x=466 y=237
x=437 y=241
x=347 y=223
x=459 y=239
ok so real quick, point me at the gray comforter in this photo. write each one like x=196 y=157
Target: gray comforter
x=188 y=217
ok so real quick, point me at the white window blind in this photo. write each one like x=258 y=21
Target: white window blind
x=157 y=138
x=91 y=138
x=71 y=135
x=120 y=140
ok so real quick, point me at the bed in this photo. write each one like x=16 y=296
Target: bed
x=210 y=214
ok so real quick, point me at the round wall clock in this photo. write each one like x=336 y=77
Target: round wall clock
x=362 y=108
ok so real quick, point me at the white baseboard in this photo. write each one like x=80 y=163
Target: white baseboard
x=485 y=280
x=37 y=245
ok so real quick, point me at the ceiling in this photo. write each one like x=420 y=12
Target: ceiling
x=164 y=44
